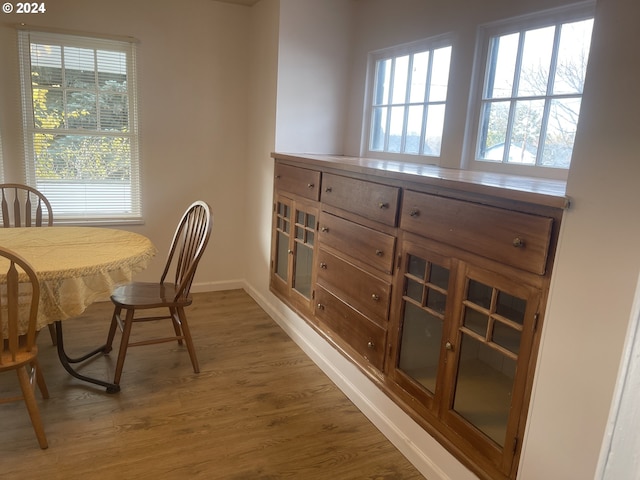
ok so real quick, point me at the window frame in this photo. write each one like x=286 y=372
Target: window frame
x=126 y=45
x=428 y=44
x=556 y=16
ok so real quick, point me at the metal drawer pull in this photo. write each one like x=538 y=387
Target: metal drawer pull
x=379 y=253
x=448 y=346
x=324 y=229
x=290 y=252
x=383 y=205
x=278 y=177
x=320 y=306
x=371 y=345
x=310 y=185
x=328 y=189
x=414 y=212
x=375 y=297
x=518 y=242
x=323 y=265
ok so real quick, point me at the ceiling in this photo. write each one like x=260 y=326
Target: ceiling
x=248 y=3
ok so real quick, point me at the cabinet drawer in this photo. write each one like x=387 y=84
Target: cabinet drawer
x=300 y=181
x=364 y=336
x=370 y=200
x=513 y=238
x=359 y=242
x=363 y=291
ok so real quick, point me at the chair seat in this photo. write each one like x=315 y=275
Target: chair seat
x=23 y=357
x=148 y=295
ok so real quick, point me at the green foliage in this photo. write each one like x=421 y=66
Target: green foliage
x=81 y=129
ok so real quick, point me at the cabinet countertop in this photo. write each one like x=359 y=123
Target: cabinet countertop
x=551 y=193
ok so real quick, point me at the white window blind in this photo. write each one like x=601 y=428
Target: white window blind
x=80 y=124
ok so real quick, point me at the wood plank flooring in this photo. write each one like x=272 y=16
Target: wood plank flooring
x=259 y=409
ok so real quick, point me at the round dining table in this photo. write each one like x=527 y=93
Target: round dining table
x=76 y=266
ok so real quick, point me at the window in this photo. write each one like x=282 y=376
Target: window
x=408 y=89
x=534 y=71
x=80 y=127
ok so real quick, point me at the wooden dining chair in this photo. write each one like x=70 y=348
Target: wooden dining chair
x=25 y=206
x=188 y=244
x=18 y=350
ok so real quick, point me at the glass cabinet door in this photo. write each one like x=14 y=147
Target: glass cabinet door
x=462 y=345
x=488 y=345
x=425 y=292
x=295 y=224
x=283 y=238
x=304 y=240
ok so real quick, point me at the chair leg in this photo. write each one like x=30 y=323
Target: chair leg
x=52 y=332
x=175 y=319
x=32 y=406
x=124 y=343
x=112 y=329
x=187 y=338
x=44 y=391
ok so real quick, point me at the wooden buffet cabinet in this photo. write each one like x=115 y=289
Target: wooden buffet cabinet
x=432 y=281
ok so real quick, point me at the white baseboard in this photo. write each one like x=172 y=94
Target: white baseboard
x=219 y=286
x=422 y=450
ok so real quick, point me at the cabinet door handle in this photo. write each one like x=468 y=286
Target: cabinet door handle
x=371 y=345
x=383 y=205
x=379 y=253
x=310 y=185
x=320 y=306
x=290 y=252
x=324 y=229
x=278 y=177
x=375 y=297
x=328 y=189
x=518 y=242
x=414 y=212
x=448 y=346
x=323 y=265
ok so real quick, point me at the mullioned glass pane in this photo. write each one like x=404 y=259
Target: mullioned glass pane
x=420 y=346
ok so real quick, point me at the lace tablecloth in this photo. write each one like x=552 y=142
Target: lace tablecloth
x=76 y=266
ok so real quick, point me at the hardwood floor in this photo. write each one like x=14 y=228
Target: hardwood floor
x=259 y=409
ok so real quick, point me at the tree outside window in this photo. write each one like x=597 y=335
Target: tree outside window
x=532 y=94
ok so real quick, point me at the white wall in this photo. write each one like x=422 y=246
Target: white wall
x=193 y=79
x=597 y=264
x=313 y=68
x=258 y=186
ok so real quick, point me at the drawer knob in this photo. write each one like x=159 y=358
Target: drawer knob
x=448 y=346
x=375 y=297
x=371 y=345
x=323 y=265
x=414 y=212
x=310 y=185
x=328 y=189
x=518 y=242
x=278 y=177
x=324 y=229
x=383 y=205
x=290 y=252
x=320 y=306
x=379 y=253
